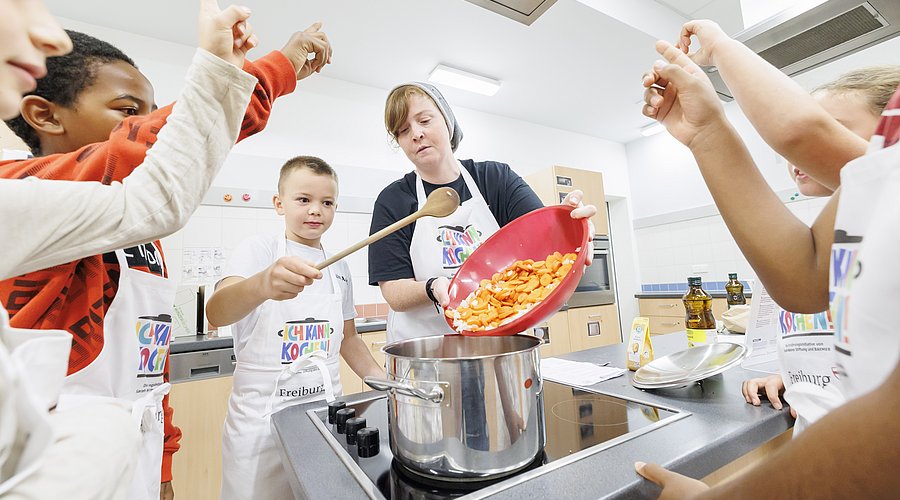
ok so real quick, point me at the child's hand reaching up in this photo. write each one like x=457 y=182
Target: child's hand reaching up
x=225 y=33
x=306 y=42
x=680 y=96
x=287 y=277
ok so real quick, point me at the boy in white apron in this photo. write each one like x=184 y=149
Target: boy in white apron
x=856 y=100
x=843 y=453
x=292 y=324
x=118 y=305
x=92 y=451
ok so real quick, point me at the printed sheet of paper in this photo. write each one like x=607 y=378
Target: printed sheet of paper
x=762 y=332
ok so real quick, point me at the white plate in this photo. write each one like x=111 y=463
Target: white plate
x=690 y=365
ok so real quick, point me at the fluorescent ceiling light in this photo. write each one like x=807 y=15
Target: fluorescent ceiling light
x=754 y=12
x=653 y=128
x=464 y=80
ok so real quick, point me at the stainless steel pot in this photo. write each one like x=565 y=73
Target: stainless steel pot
x=464 y=408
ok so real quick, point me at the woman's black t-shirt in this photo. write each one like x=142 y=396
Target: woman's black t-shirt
x=507 y=195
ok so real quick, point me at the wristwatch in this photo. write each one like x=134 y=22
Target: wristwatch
x=430 y=293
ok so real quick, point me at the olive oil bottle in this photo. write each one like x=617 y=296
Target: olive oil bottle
x=734 y=290
x=698 y=319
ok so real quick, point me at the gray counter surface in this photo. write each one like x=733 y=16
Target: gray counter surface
x=721 y=428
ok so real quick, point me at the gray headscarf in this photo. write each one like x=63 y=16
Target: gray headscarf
x=456 y=133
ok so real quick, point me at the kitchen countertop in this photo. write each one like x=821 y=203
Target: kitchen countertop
x=721 y=428
x=180 y=345
x=678 y=295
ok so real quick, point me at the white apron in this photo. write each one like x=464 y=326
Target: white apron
x=136 y=334
x=868 y=188
x=806 y=355
x=33 y=366
x=438 y=248
x=292 y=356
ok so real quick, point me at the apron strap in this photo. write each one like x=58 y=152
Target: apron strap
x=151 y=399
x=317 y=359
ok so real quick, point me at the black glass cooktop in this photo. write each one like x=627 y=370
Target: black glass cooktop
x=578 y=423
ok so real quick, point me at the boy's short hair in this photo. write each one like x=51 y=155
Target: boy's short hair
x=317 y=165
x=67 y=76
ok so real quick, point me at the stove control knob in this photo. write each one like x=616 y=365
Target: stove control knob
x=352 y=426
x=367 y=442
x=341 y=417
x=333 y=407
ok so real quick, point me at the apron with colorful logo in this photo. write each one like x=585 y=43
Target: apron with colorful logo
x=292 y=356
x=137 y=330
x=867 y=183
x=806 y=352
x=438 y=248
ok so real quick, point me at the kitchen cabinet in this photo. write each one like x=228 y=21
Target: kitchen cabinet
x=553 y=184
x=667 y=314
x=350 y=382
x=200 y=408
x=750 y=460
x=594 y=326
x=555 y=334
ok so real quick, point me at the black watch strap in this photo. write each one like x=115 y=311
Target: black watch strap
x=430 y=293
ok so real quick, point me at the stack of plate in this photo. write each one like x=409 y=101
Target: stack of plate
x=690 y=365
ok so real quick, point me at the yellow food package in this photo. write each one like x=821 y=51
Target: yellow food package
x=639 y=350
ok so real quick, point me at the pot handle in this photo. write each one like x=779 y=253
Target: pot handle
x=436 y=395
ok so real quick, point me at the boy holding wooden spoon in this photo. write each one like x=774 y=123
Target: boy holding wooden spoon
x=287 y=343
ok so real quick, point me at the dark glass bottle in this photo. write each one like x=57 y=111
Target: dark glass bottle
x=699 y=321
x=735 y=291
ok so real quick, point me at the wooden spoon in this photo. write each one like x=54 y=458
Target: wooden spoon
x=440 y=203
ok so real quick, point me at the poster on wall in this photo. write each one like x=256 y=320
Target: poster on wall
x=202 y=265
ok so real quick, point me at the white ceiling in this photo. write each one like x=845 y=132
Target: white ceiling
x=575 y=68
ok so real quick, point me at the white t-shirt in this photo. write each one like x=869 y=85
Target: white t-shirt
x=256 y=254
x=867 y=341
x=864 y=280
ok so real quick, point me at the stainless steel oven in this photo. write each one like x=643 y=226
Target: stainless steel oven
x=598 y=285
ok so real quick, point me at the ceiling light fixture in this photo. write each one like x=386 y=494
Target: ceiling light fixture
x=464 y=80
x=652 y=128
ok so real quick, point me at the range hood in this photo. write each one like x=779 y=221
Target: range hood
x=523 y=11
x=797 y=42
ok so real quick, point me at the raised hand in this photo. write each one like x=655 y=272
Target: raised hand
x=708 y=33
x=306 y=42
x=680 y=96
x=225 y=33
x=287 y=277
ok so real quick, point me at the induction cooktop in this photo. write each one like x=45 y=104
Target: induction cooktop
x=578 y=422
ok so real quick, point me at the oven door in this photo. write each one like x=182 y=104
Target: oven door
x=597 y=286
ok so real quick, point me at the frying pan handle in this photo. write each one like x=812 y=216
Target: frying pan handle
x=436 y=395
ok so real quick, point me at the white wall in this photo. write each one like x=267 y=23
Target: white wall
x=665 y=177
x=342 y=122
x=701 y=246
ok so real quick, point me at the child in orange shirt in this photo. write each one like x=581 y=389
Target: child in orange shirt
x=80 y=120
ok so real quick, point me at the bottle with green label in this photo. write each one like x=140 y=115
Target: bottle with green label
x=734 y=290
x=698 y=319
